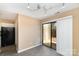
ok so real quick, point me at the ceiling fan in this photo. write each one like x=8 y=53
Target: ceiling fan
x=33 y=9
x=38 y=7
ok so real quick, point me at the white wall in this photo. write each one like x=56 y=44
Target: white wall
x=64 y=36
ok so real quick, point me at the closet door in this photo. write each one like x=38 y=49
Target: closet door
x=64 y=36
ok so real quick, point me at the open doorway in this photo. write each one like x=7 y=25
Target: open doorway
x=49 y=34
x=7 y=37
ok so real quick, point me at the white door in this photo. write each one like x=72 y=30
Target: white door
x=64 y=36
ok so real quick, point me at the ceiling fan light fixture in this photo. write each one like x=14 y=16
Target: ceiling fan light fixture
x=33 y=9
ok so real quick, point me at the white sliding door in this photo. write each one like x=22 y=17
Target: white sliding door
x=64 y=36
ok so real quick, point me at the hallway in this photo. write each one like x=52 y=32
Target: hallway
x=37 y=51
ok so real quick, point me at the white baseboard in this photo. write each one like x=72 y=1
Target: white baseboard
x=19 y=51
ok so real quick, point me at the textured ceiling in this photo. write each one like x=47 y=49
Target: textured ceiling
x=9 y=10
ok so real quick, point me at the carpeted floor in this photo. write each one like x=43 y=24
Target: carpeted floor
x=37 y=51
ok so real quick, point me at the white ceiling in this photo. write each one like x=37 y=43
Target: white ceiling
x=9 y=10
